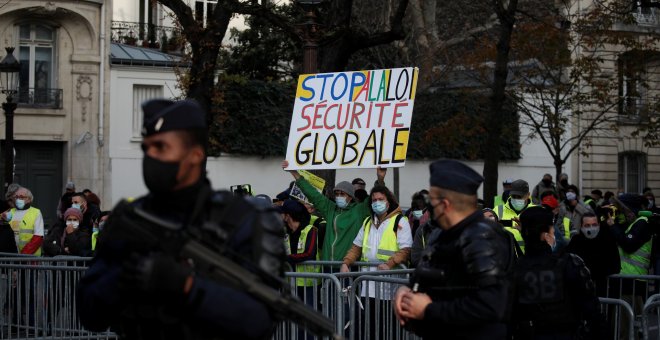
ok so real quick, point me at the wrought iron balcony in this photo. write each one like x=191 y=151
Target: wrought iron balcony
x=145 y=35
x=647 y=16
x=40 y=98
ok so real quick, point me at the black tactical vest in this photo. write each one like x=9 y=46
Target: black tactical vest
x=542 y=299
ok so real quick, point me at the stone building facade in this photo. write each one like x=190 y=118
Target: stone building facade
x=60 y=125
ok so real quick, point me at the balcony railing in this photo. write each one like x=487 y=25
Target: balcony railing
x=145 y=35
x=40 y=98
x=646 y=16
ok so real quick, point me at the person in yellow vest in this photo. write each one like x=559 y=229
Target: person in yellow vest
x=509 y=212
x=506 y=191
x=98 y=227
x=27 y=223
x=385 y=237
x=301 y=244
x=634 y=236
x=317 y=221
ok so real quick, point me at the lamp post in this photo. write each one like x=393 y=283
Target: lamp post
x=310 y=33
x=9 y=69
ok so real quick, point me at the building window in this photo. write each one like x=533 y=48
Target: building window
x=204 y=10
x=37 y=76
x=631 y=87
x=632 y=171
x=142 y=93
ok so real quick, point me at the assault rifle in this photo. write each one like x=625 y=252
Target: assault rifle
x=204 y=248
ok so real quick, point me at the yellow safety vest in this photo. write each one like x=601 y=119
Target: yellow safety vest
x=25 y=228
x=567 y=228
x=504 y=212
x=387 y=245
x=95 y=235
x=518 y=236
x=639 y=262
x=303 y=268
x=497 y=200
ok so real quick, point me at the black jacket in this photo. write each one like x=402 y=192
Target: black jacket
x=473 y=298
x=211 y=309
x=79 y=242
x=7 y=239
x=561 y=318
x=601 y=256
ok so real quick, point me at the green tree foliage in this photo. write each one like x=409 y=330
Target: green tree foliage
x=256 y=117
x=452 y=124
x=263 y=51
x=445 y=124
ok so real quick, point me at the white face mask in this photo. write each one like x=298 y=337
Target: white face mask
x=590 y=232
x=74 y=224
x=417 y=214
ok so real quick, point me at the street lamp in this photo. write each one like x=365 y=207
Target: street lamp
x=9 y=69
x=310 y=35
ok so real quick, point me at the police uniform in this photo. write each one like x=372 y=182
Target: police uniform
x=111 y=294
x=467 y=271
x=554 y=293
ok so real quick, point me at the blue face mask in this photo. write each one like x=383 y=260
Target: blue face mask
x=76 y=206
x=341 y=202
x=379 y=207
x=518 y=204
x=20 y=204
x=417 y=214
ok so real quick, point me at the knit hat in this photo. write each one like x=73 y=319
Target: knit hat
x=73 y=212
x=345 y=187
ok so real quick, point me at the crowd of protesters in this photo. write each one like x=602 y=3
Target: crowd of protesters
x=606 y=233
x=74 y=233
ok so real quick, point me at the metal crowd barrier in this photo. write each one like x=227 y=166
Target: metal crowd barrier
x=621 y=309
x=651 y=318
x=38 y=301
x=371 y=312
x=325 y=296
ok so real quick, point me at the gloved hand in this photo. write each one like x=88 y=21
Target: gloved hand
x=158 y=275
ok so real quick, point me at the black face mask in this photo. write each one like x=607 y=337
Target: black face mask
x=564 y=182
x=159 y=176
x=547 y=182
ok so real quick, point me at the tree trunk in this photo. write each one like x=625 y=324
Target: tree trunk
x=506 y=17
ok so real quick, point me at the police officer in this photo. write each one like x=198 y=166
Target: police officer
x=554 y=294
x=462 y=287
x=146 y=293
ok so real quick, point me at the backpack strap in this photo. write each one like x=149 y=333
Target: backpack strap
x=396 y=223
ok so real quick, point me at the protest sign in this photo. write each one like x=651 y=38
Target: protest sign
x=316 y=181
x=352 y=119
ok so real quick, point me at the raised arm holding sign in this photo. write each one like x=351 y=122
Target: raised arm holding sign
x=343 y=215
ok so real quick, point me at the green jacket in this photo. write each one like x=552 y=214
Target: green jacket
x=343 y=225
